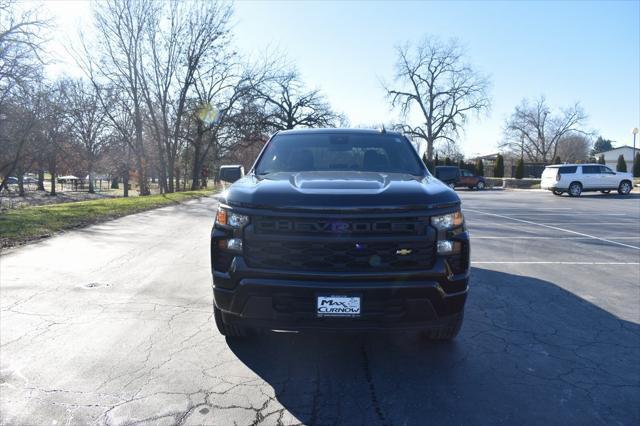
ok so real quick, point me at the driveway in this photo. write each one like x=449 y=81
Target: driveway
x=113 y=325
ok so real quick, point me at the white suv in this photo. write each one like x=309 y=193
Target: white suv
x=576 y=178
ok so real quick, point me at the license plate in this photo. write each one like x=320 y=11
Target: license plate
x=338 y=306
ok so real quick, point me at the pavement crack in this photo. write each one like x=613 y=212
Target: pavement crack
x=372 y=388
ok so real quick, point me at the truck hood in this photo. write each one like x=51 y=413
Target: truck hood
x=339 y=190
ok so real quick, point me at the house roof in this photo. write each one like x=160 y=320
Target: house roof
x=487 y=157
x=618 y=148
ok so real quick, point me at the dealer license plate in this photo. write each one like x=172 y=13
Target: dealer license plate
x=338 y=306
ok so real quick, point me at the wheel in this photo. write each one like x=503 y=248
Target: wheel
x=229 y=330
x=480 y=186
x=446 y=332
x=624 y=188
x=575 y=189
x=605 y=191
x=558 y=193
x=452 y=185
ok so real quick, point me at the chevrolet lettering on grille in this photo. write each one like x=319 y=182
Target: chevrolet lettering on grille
x=279 y=225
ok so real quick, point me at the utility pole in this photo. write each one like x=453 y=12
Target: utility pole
x=633 y=164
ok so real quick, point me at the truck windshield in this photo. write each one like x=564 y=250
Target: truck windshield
x=340 y=152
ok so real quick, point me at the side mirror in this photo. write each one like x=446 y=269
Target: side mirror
x=230 y=173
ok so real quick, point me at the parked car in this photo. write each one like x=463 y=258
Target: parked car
x=575 y=179
x=471 y=180
x=455 y=177
x=12 y=180
x=449 y=175
x=339 y=229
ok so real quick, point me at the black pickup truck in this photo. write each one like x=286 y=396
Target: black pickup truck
x=339 y=229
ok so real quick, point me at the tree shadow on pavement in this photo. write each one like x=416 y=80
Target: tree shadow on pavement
x=529 y=353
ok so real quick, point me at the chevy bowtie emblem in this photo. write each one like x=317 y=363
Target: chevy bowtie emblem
x=404 y=252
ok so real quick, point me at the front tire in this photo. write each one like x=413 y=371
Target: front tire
x=446 y=332
x=480 y=186
x=452 y=186
x=575 y=189
x=558 y=193
x=228 y=330
x=624 y=188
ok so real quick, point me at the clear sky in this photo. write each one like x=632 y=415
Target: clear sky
x=587 y=52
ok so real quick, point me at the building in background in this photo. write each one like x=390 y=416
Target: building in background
x=611 y=157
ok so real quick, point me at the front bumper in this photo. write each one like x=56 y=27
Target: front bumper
x=286 y=300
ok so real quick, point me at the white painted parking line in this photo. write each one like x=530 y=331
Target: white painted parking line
x=533 y=210
x=534 y=213
x=634 y=222
x=498 y=237
x=556 y=228
x=515 y=225
x=525 y=262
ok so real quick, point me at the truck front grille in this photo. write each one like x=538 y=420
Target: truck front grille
x=339 y=255
x=341 y=226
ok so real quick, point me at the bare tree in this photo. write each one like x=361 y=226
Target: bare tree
x=219 y=92
x=87 y=122
x=433 y=79
x=116 y=62
x=533 y=131
x=22 y=36
x=21 y=46
x=574 y=147
x=121 y=132
x=449 y=149
x=16 y=136
x=289 y=104
x=55 y=128
x=194 y=36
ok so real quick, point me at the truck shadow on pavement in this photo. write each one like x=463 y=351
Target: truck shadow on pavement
x=529 y=352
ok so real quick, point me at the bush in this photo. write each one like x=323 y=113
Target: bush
x=636 y=166
x=447 y=161
x=601 y=159
x=498 y=168
x=479 y=167
x=114 y=183
x=557 y=160
x=520 y=169
x=622 y=165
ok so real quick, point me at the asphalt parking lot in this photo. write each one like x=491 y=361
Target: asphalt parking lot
x=113 y=325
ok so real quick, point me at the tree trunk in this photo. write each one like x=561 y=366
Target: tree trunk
x=52 y=170
x=170 y=172
x=142 y=180
x=20 y=181
x=40 y=180
x=125 y=183
x=91 y=188
x=139 y=148
x=162 y=169
x=195 y=174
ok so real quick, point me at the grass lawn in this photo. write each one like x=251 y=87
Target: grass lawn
x=29 y=223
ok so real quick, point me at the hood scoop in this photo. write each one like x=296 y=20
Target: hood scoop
x=345 y=181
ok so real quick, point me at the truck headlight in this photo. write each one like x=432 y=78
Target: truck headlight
x=234 y=220
x=447 y=221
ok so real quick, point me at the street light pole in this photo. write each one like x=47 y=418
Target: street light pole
x=633 y=167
